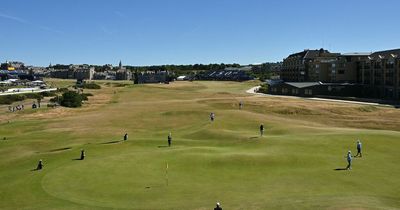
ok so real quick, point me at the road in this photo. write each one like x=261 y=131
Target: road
x=28 y=91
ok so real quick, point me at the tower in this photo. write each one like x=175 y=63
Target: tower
x=120 y=64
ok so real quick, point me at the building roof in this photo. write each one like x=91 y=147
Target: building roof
x=309 y=54
x=387 y=54
x=310 y=84
x=303 y=84
x=357 y=54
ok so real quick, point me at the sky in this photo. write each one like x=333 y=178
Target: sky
x=155 y=32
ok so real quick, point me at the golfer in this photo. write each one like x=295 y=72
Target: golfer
x=83 y=154
x=359 y=146
x=218 y=207
x=262 y=129
x=241 y=105
x=40 y=165
x=212 y=116
x=169 y=139
x=349 y=159
x=126 y=136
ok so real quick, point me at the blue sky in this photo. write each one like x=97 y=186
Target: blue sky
x=152 y=32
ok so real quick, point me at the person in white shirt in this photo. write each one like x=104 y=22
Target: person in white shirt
x=349 y=159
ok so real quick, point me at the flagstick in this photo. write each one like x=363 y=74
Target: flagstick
x=166 y=174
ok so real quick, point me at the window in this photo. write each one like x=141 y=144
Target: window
x=295 y=91
x=390 y=64
x=377 y=65
x=341 y=71
x=308 y=91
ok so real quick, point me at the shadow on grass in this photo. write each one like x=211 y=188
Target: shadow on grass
x=163 y=146
x=76 y=159
x=153 y=186
x=254 y=137
x=112 y=142
x=340 y=169
x=58 y=150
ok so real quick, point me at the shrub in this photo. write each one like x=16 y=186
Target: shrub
x=263 y=88
x=62 y=90
x=71 y=99
x=87 y=94
x=34 y=95
x=48 y=94
x=120 y=85
x=91 y=86
x=56 y=99
x=9 y=99
x=52 y=105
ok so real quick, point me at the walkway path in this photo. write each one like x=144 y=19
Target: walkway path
x=22 y=91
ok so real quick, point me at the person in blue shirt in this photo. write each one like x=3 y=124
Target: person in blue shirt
x=359 y=146
x=349 y=159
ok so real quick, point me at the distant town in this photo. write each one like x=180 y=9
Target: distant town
x=319 y=72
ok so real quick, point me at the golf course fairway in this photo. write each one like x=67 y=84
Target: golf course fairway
x=298 y=164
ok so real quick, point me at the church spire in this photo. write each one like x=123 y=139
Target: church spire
x=120 y=64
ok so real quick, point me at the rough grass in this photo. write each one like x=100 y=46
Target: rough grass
x=292 y=167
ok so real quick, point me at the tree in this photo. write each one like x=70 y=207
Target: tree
x=71 y=99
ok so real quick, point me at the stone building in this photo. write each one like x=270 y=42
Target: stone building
x=306 y=66
x=81 y=72
x=151 y=77
x=123 y=73
x=380 y=74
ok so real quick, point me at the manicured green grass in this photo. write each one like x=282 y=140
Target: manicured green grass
x=291 y=167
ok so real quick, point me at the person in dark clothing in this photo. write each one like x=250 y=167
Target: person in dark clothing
x=126 y=136
x=262 y=129
x=218 y=207
x=40 y=165
x=83 y=154
x=169 y=139
x=212 y=116
x=359 y=145
x=241 y=105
